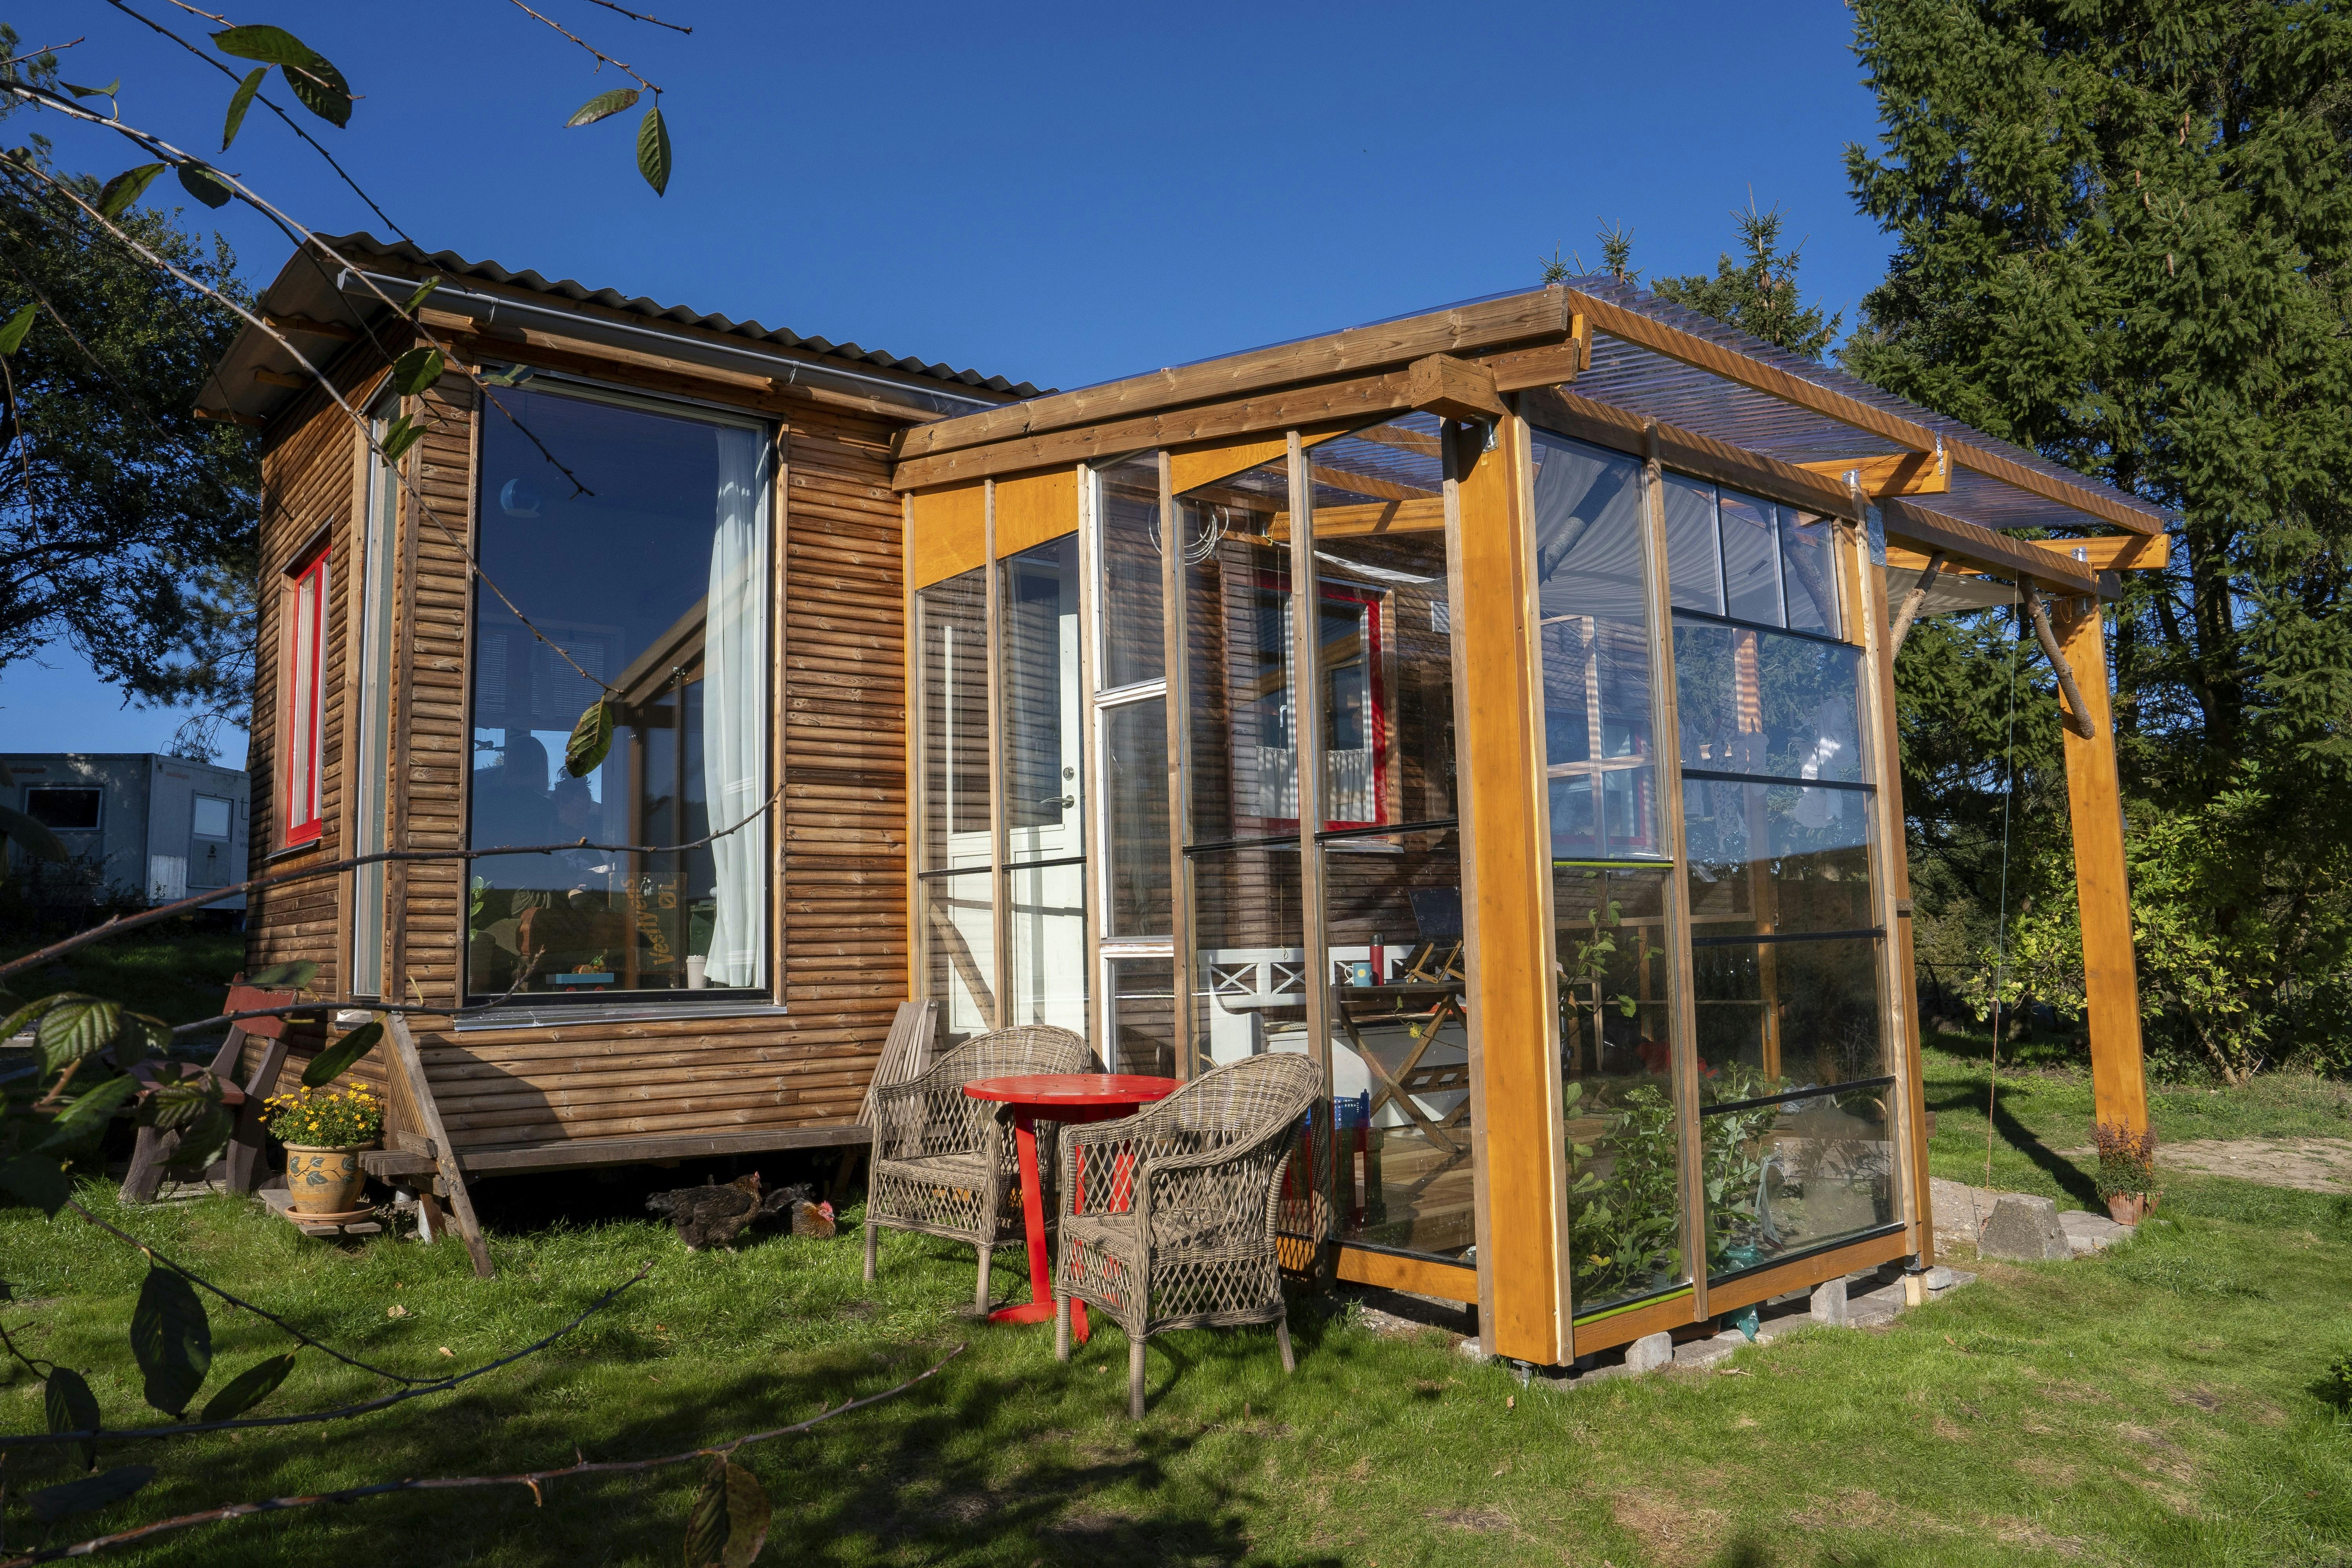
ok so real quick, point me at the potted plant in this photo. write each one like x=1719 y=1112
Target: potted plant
x=323 y=1129
x=2127 y=1175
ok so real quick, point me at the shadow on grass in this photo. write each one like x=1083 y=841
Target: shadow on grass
x=2069 y=1177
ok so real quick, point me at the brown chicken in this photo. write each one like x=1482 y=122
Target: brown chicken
x=713 y=1216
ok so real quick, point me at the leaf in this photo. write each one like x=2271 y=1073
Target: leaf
x=203 y=184
x=87 y=1113
x=35 y=836
x=23 y=1016
x=400 y=434
x=272 y=46
x=180 y=1103
x=125 y=188
x=72 y=1407
x=172 y=1338
x=239 y=101
x=76 y=1026
x=336 y=1059
x=729 y=1522
x=424 y=292
x=294 y=977
x=320 y=88
x=513 y=375
x=107 y=91
x=140 y=1034
x=251 y=1387
x=37 y=1179
x=592 y=738
x=52 y=1503
x=602 y=107
x=653 y=151
x=417 y=369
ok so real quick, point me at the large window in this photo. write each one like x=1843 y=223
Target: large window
x=304 y=618
x=370 y=777
x=1044 y=785
x=642 y=571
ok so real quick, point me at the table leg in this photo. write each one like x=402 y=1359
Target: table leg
x=1039 y=1308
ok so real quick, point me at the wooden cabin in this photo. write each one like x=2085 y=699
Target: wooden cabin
x=1493 y=704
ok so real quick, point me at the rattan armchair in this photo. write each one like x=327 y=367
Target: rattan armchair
x=1167 y=1216
x=944 y=1163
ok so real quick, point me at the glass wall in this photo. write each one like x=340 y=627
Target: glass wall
x=648 y=578
x=954 y=914
x=1777 y=817
x=1043 y=784
x=372 y=777
x=1138 y=907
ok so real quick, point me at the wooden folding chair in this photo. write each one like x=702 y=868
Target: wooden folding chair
x=240 y=1166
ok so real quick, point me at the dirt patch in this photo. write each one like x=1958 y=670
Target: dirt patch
x=1856 y=1508
x=2048 y=1471
x=2310 y=1164
x=1479 y=1521
x=1673 y=1530
x=2026 y=1534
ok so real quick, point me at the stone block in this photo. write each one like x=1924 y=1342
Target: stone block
x=1650 y=1353
x=2091 y=1232
x=2026 y=1227
x=1940 y=1279
x=1829 y=1305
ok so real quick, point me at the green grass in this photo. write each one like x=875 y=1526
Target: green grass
x=2170 y=1404
x=179 y=970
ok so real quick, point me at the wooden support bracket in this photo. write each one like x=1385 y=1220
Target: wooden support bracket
x=1455 y=388
x=1902 y=474
x=1911 y=602
x=2071 y=711
x=410 y=1066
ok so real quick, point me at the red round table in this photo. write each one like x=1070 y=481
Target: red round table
x=1060 y=1097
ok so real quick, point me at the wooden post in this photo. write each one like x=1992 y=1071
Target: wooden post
x=410 y=1066
x=2094 y=801
x=1520 y=1174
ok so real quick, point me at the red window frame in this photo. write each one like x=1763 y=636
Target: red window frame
x=1374 y=603
x=305 y=629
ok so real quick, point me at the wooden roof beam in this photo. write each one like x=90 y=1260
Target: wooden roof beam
x=1901 y=474
x=1990 y=552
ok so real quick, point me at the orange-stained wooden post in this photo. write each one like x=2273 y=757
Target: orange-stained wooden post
x=1520 y=1172
x=2095 y=798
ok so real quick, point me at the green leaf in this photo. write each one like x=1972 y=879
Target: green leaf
x=424 y=292
x=15 y=825
x=72 y=1407
x=172 y=1338
x=320 y=88
x=272 y=46
x=203 y=184
x=239 y=101
x=729 y=1522
x=107 y=91
x=513 y=375
x=52 y=1503
x=417 y=369
x=400 y=434
x=336 y=1059
x=251 y=1386
x=37 y=1179
x=592 y=738
x=125 y=188
x=178 y=1104
x=653 y=151
x=140 y=1034
x=86 y=1113
x=294 y=977
x=74 y=1028
x=601 y=107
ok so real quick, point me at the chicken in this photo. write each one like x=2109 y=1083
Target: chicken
x=711 y=1215
x=809 y=1216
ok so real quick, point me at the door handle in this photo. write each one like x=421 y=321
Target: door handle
x=1064 y=801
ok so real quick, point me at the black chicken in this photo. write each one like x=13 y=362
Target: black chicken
x=713 y=1216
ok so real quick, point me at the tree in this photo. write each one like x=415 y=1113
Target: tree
x=1758 y=293
x=2121 y=237
x=127 y=527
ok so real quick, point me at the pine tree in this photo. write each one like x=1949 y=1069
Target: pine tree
x=2122 y=237
x=1758 y=293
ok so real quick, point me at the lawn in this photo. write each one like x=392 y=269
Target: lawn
x=2160 y=1405
x=178 y=970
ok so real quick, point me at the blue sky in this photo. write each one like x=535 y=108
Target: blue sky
x=1056 y=194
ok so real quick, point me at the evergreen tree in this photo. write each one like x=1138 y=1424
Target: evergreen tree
x=1758 y=293
x=2121 y=236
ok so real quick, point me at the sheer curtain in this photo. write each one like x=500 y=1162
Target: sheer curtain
x=735 y=693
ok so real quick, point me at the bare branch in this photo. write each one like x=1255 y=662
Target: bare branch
x=54 y=48
x=602 y=57
x=641 y=16
x=417 y=1389
x=532 y=1480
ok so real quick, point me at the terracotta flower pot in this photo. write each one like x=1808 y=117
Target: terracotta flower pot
x=2128 y=1208
x=323 y=1181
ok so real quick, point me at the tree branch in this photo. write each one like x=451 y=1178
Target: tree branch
x=2072 y=710
x=602 y=57
x=530 y=1478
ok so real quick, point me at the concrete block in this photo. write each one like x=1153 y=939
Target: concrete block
x=1830 y=1304
x=1472 y=1350
x=2088 y=1233
x=1941 y=1278
x=2024 y=1227
x=1650 y=1353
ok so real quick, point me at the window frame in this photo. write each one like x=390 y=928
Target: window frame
x=307 y=580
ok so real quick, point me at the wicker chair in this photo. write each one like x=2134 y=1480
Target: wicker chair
x=943 y=1163
x=1167 y=1216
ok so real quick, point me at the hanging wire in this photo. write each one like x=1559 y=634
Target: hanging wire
x=2001 y=931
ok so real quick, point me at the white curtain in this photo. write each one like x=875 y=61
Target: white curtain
x=734 y=712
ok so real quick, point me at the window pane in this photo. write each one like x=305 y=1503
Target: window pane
x=1049 y=906
x=1617 y=1068
x=1594 y=647
x=71 y=809
x=1037 y=605
x=1134 y=773
x=951 y=629
x=959 y=927
x=1751 y=560
x=1777 y=858
x=1245 y=762
x=653 y=580
x=1811 y=571
x=1753 y=701
x=1250 y=967
x=209 y=819
x=1775 y=1016
x=1693 y=547
x=1796 y=1175
x=1386 y=643
x=1133 y=651
x=301 y=752
x=1143 y=1016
